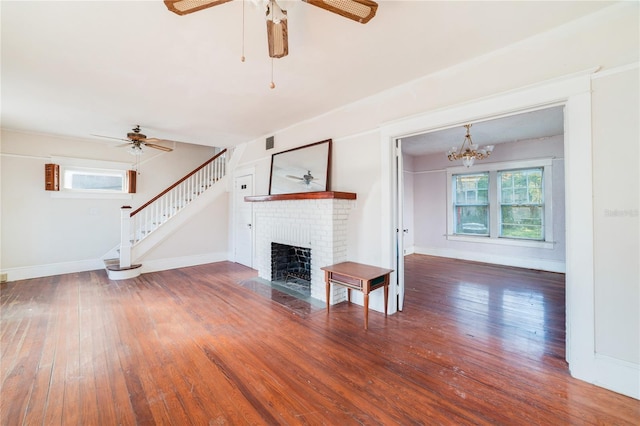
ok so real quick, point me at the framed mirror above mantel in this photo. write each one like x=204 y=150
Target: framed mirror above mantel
x=302 y=173
x=304 y=169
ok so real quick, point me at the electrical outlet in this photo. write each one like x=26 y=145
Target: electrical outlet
x=3 y=278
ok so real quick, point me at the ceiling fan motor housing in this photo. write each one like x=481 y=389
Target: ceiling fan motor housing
x=136 y=136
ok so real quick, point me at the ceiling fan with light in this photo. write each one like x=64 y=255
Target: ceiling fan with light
x=277 y=34
x=136 y=140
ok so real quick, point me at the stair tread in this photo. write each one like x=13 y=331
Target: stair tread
x=117 y=267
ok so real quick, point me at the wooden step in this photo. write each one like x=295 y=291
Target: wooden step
x=122 y=268
x=117 y=272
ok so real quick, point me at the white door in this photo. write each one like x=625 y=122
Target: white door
x=243 y=221
x=399 y=201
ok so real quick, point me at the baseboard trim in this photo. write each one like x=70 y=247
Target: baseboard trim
x=610 y=373
x=529 y=263
x=37 y=271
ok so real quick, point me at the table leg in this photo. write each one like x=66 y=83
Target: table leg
x=328 y=292
x=386 y=297
x=366 y=311
x=349 y=295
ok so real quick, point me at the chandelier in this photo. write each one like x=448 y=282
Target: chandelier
x=471 y=152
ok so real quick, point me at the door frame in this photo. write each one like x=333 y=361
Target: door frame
x=399 y=222
x=574 y=91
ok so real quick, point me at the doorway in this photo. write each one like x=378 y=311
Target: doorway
x=574 y=93
x=427 y=195
x=243 y=220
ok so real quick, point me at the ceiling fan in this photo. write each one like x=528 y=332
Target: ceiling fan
x=277 y=34
x=136 y=140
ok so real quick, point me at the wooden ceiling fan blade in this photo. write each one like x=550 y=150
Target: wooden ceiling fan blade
x=110 y=137
x=160 y=140
x=359 y=10
x=160 y=147
x=184 y=7
x=277 y=36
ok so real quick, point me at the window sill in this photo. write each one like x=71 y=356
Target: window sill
x=501 y=241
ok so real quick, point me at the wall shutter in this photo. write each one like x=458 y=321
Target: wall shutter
x=131 y=181
x=52 y=177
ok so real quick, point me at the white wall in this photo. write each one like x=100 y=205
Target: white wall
x=45 y=235
x=430 y=209
x=616 y=191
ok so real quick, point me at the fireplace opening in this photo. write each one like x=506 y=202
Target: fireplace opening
x=291 y=267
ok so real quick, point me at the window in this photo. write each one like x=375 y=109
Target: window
x=503 y=203
x=471 y=204
x=522 y=204
x=84 y=178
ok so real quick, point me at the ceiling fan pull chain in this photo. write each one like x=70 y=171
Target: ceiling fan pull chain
x=272 y=84
x=242 y=57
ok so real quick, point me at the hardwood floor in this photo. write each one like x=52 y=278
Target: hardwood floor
x=475 y=344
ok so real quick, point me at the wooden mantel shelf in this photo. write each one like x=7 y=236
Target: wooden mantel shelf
x=303 y=196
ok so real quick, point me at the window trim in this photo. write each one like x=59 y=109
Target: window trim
x=80 y=164
x=494 y=205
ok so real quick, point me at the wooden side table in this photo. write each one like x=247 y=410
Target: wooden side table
x=358 y=276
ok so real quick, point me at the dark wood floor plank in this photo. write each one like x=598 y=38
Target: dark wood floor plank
x=23 y=369
x=72 y=379
x=36 y=410
x=475 y=344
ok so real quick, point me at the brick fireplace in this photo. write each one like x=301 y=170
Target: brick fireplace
x=315 y=221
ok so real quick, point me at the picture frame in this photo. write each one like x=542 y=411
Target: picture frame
x=303 y=169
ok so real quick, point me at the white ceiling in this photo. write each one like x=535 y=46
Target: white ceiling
x=78 y=68
x=526 y=126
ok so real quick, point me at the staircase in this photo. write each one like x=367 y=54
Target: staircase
x=141 y=229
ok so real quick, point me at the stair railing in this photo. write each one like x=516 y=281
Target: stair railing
x=140 y=223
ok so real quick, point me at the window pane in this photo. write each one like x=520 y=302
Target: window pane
x=471 y=189
x=522 y=222
x=472 y=220
x=520 y=196
x=507 y=196
x=521 y=186
x=96 y=182
x=93 y=180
